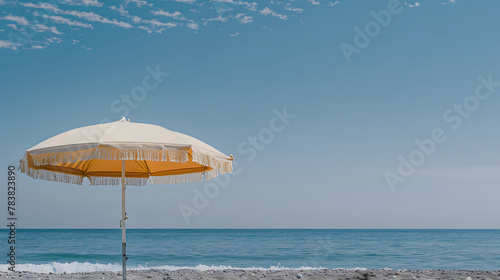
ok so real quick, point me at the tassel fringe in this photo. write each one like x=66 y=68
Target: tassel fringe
x=112 y=153
x=54 y=176
x=113 y=181
x=176 y=179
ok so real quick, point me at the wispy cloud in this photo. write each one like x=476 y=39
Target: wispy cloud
x=249 y=6
x=94 y=17
x=37 y=47
x=17 y=19
x=288 y=7
x=217 y=18
x=184 y=1
x=120 y=9
x=244 y=18
x=331 y=4
x=138 y=3
x=9 y=45
x=176 y=14
x=266 y=11
x=412 y=5
x=45 y=28
x=54 y=40
x=193 y=25
x=66 y=21
x=157 y=26
x=92 y=3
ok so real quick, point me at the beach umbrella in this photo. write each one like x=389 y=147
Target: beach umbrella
x=127 y=153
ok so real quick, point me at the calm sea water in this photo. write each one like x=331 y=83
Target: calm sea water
x=97 y=249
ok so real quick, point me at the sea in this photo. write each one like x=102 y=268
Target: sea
x=87 y=250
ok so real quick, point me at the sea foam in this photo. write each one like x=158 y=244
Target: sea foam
x=77 y=267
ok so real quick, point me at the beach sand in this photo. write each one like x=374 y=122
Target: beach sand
x=235 y=274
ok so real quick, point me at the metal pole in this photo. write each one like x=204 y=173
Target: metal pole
x=124 y=241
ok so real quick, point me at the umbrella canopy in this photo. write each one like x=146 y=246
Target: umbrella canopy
x=152 y=154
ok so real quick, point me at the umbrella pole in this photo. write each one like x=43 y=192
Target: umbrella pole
x=124 y=241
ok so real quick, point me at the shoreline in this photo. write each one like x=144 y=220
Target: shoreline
x=285 y=274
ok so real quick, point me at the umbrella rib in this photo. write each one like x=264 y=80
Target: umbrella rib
x=147 y=168
x=91 y=163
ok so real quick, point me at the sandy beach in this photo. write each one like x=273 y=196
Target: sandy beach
x=317 y=274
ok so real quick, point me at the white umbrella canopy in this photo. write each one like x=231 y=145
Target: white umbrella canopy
x=152 y=154
x=130 y=153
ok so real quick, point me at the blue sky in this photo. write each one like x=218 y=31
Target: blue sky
x=228 y=70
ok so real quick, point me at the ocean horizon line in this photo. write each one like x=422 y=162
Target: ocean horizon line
x=21 y=228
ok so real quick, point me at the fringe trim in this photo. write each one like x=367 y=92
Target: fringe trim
x=23 y=164
x=47 y=174
x=113 y=181
x=153 y=180
x=175 y=179
x=111 y=153
x=220 y=165
x=54 y=176
x=144 y=153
